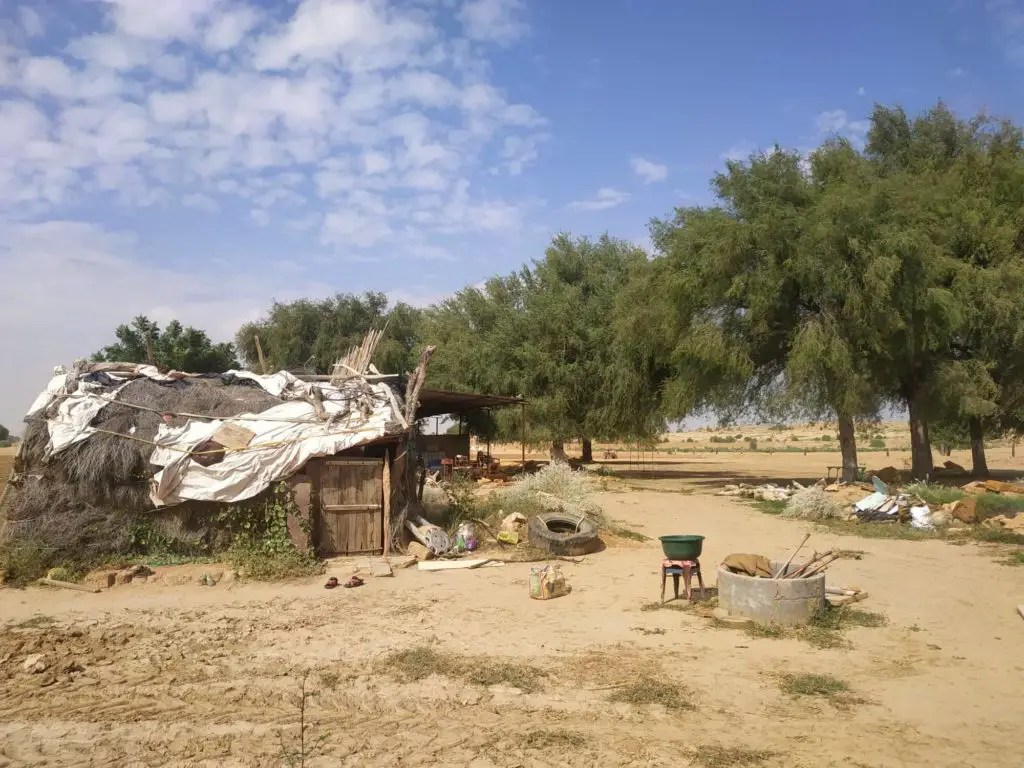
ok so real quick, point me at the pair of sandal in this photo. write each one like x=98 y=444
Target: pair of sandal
x=354 y=581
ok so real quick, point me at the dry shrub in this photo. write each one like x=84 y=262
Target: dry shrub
x=812 y=504
x=555 y=488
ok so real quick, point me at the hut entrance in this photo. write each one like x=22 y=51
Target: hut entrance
x=350 y=519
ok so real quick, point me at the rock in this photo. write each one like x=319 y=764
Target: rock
x=380 y=568
x=111 y=579
x=125 y=576
x=48 y=678
x=35 y=663
x=952 y=466
x=887 y=475
x=965 y=510
x=419 y=551
x=514 y=522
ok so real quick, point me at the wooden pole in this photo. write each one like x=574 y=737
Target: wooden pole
x=259 y=354
x=524 y=436
x=782 y=573
x=68 y=585
x=387 y=508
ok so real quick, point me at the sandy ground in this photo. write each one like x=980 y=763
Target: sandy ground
x=159 y=674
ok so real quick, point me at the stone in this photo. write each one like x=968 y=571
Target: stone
x=419 y=551
x=35 y=663
x=965 y=510
x=381 y=568
x=111 y=579
x=125 y=576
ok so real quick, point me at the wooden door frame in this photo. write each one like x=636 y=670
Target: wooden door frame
x=319 y=508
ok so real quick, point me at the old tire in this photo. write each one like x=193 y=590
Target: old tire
x=562 y=534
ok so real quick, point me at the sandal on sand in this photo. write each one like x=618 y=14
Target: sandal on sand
x=355 y=581
x=331 y=583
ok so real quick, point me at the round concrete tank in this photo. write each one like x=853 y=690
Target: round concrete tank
x=771 y=601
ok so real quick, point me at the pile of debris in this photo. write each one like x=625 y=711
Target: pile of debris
x=766 y=492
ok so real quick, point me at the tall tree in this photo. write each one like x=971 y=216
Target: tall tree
x=176 y=347
x=545 y=332
x=759 y=310
x=308 y=334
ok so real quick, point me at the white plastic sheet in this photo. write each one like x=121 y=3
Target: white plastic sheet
x=286 y=436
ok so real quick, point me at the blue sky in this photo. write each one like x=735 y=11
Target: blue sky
x=196 y=159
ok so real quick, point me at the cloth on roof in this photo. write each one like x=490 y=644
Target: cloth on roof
x=752 y=565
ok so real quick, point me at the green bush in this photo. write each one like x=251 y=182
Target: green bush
x=877 y=442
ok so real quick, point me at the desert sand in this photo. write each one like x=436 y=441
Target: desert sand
x=170 y=673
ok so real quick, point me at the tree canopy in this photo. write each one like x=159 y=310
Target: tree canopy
x=175 y=347
x=313 y=334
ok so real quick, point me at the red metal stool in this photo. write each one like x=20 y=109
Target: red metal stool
x=685 y=568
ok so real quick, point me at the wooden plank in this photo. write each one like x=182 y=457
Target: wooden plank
x=350 y=507
x=68 y=585
x=452 y=565
x=386 y=494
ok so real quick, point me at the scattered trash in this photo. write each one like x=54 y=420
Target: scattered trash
x=548 y=582
x=465 y=538
x=514 y=523
x=920 y=517
x=35 y=664
x=508 y=537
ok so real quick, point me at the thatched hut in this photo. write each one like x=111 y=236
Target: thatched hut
x=108 y=445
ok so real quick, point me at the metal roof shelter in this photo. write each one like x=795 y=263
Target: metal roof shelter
x=439 y=402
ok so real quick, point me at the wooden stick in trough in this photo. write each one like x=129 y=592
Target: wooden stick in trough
x=782 y=573
x=801 y=572
x=821 y=566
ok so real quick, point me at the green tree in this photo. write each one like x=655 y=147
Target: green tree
x=753 y=300
x=175 y=348
x=313 y=335
x=545 y=332
x=5 y=433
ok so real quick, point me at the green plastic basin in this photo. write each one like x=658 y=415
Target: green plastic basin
x=681 y=547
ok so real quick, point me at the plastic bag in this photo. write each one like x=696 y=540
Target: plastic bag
x=547 y=583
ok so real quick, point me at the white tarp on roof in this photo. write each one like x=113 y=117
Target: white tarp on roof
x=286 y=435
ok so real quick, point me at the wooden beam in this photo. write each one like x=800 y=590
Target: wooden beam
x=259 y=354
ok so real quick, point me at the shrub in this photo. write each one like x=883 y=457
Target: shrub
x=877 y=442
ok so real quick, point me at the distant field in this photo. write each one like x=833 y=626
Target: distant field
x=6 y=457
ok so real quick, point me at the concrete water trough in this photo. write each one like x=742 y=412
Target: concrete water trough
x=786 y=602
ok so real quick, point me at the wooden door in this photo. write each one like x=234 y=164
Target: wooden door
x=351 y=507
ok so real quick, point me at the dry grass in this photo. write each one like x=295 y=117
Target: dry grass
x=554 y=738
x=650 y=690
x=423 y=661
x=834 y=690
x=715 y=756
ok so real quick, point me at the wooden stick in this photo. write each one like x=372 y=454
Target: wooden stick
x=782 y=573
x=68 y=585
x=820 y=567
x=259 y=354
x=387 y=508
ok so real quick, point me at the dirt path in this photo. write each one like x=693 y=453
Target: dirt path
x=210 y=676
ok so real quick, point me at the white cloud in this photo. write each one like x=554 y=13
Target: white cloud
x=31 y=21
x=260 y=217
x=861 y=91
x=345 y=94
x=96 y=280
x=957 y=72
x=837 y=122
x=493 y=20
x=606 y=197
x=648 y=171
x=739 y=152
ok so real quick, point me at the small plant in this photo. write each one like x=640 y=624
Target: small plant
x=1016 y=559
x=418 y=663
x=306 y=748
x=772 y=631
x=462 y=503
x=549 y=738
x=813 y=685
x=649 y=690
x=877 y=442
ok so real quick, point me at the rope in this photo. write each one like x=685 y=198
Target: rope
x=225 y=449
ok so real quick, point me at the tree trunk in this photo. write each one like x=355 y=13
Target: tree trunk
x=848 y=446
x=557 y=452
x=920 y=446
x=588 y=451
x=980 y=467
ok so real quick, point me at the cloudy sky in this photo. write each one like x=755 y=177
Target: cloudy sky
x=196 y=159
